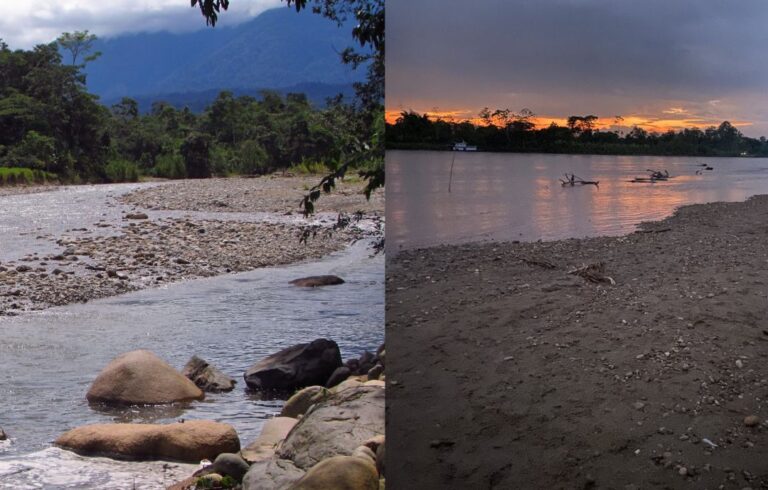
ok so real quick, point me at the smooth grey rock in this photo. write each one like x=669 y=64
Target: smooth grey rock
x=336 y=426
x=317 y=281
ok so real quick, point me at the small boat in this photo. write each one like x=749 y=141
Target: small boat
x=463 y=146
x=572 y=181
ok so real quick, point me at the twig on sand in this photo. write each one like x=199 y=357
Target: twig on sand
x=593 y=273
x=657 y=230
x=539 y=262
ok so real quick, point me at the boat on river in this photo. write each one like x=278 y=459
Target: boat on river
x=463 y=146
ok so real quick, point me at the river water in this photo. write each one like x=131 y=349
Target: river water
x=49 y=358
x=509 y=196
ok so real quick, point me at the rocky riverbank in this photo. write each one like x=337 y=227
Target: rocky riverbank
x=614 y=362
x=329 y=435
x=275 y=193
x=147 y=249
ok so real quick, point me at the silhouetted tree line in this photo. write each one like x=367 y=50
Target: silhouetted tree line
x=504 y=130
x=50 y=124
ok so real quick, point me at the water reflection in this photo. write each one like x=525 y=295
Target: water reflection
x=518 y=196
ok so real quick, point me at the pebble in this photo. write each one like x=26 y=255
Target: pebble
x=751 y=420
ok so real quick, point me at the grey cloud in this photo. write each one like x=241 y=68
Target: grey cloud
x=594 y=50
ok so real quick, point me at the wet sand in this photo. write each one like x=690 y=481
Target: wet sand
x=134 y=254
x=505 y=371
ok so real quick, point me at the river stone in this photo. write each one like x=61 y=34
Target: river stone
x=299 y=403
x=336 y=426
x=272 y=474
x=191 y=441
x=3 y=435
x=274 y=430
x=140 y=377
x=340 y=473
x=339 y=375
x=317 y=281
x=207 y=377
x=751 y=420
x=136 y=216
x=295 y=367
x=375 y=371
x=226 y=464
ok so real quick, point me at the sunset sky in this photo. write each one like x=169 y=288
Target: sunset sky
x=657 y=64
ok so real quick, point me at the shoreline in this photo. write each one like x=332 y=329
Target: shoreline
x=448 y=148
x=509 y=372
x=143 y=250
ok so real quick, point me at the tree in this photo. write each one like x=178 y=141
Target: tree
x=196 y=151
x=78 y=43
x=366 y=147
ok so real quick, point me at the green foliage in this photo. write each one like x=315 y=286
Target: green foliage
x=78 y=43
x=34 y=151
x=121 y=171
x=16 y=175
x=170 y=166
x=252 y=158
x=196 y=151
x=308 y=167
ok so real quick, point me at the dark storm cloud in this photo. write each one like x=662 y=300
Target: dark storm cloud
x=614 y=53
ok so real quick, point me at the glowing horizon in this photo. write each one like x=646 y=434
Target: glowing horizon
x=652 y=123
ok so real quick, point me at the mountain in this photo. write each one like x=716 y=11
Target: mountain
x=277 y=49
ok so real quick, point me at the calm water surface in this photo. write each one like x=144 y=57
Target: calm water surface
x=48 y=359
x=507 y=196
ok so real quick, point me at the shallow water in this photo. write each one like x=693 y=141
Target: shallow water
x=508 y=196
x=48 y=359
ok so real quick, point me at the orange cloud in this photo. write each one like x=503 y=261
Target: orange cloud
x=673 y=118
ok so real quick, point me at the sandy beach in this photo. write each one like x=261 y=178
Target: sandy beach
x=144 y=249
x=506 y=371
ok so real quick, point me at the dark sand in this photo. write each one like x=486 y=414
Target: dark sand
x=504 y=373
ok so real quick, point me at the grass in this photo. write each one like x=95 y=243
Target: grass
x=24 y=176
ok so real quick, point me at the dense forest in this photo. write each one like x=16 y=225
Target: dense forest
x=52 y=128
x=504 y=130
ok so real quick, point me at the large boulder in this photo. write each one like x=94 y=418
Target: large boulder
x=191 y=441
x=272 y=433
x=336 y=426
x=3 y=435
x=295 y=367
x=340 y=473
x=317 y=281
x=140 y=377
x=272 y=474
x=207 y=377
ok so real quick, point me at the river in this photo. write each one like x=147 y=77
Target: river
x=49 y=358
x=512 y=196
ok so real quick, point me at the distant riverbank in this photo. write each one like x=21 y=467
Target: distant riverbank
x=512 y=368
x=167 y=232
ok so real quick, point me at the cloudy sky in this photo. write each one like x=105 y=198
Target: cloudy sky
x=26 y=23
x=657 y=63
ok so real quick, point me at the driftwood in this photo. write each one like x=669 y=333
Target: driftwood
x=657 y=230
x=593 y=273
x=539 y=263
